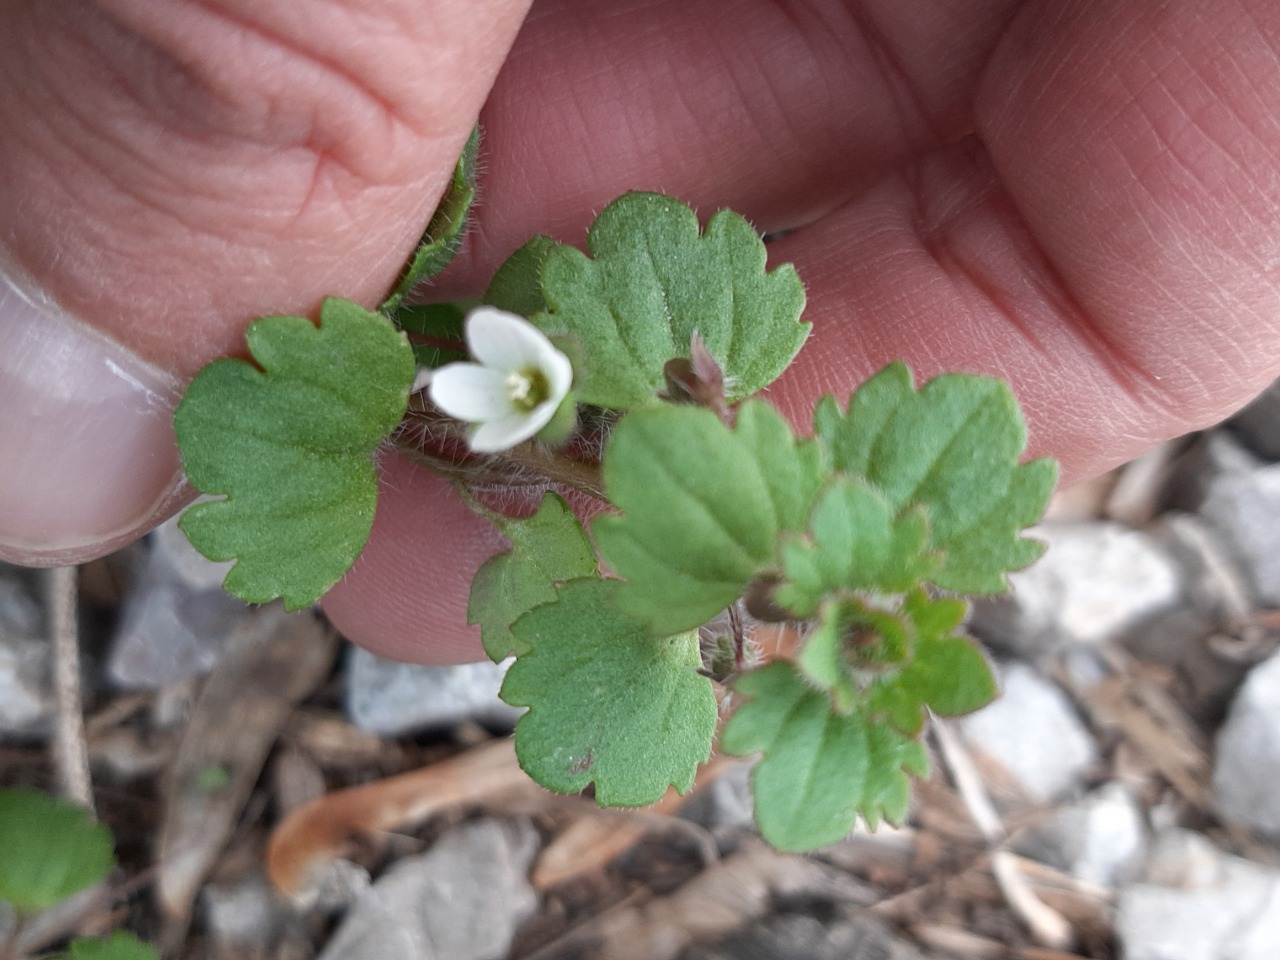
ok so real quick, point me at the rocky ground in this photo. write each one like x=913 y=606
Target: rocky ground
x=277 y=794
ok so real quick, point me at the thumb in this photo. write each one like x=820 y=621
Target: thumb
x=168 y=172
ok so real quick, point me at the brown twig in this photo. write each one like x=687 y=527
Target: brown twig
x=70 y=752
x=1045 y=924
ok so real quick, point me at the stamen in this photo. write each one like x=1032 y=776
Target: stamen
x=527 y=388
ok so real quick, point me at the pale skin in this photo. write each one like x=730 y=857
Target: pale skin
x=1080 y=196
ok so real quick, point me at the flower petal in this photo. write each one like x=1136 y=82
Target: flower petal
x=472 y=392
x=559 y=373
x=508 y=342
x=494 y=436
x=541 y=415
x=421 y=379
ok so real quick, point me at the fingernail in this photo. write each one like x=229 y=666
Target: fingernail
x=88 y=459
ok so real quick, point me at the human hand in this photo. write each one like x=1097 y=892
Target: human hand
x=172 y=170
x=1079 y=198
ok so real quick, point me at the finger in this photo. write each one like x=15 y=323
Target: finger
x=780 y=111
x=169 y=171
x=1109 y=247
x=406 y=596
x=1119 y=274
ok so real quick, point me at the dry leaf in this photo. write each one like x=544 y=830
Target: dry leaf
x=318 y=832
x=270 y=663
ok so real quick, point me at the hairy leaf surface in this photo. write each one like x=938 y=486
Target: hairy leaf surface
x=50 y=849
x=820 y=768
x=702 y=507
x=852 y=640
x=650 y=281
x=855 y=542
x=443 y=236
x=547 y=549
x=517 y=286
x=953 y=448
x=609 y=703
x=289 y=446
x=946 y=673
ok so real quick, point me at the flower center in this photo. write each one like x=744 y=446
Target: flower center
x=528 y=389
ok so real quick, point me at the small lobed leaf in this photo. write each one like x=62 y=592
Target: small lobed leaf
x=609 y=703
x=443 y=236
x=856 y=541
x=852 y=641
x=517 y=285
x=953 y=448
x=652 y=280
x=289 y=446
x=440 y=322
x=119 y=946
x=947 y=673
x=547 y=549
x=702 y=507
x=49 y=850
x=820 y=768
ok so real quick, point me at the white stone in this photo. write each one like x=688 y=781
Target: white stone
x=168 y=630
x=1259 y=423
x=1095 y=581
x=174 y=621
x=1183 y=859
x=1228 y=912
x=26 y=689
x=1100 y=840
x=391 y=698
x=1244 y=507
x=187 y=563
x=1033 y=731
x=464 y=899
x=20 y=612
x=245 y=913
x=725 y=803
x=1246 y=773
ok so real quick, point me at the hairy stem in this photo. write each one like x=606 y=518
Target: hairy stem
x=437 y=442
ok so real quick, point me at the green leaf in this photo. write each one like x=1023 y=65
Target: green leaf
x=547 y=549
x=290 y=447
x=442 y=322
x=702 y=507
x=517 y=286
x=609 y=703
x=443 y=236
x=49 y=850
x=820 y=769
x=953 y=448
x=893 y=662
x=650 y=281
x=120 y=946
x=856 y=541
x=948 y=674
x=853 y=640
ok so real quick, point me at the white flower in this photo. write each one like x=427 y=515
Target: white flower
x=512 y=390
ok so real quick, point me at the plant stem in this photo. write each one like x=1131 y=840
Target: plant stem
x=440 y=443
x=479 y=509
x=70 y=751
x=572 y=473
x=739 y=639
